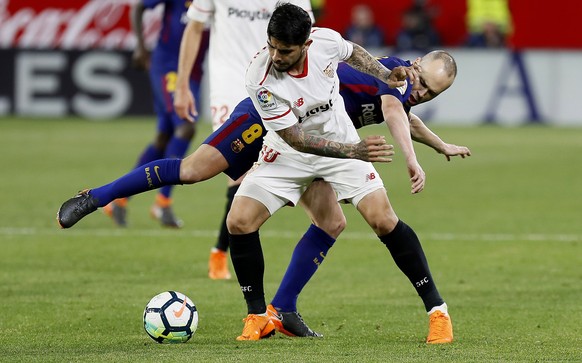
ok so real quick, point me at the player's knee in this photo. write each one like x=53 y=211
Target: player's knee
x=185 y=131
x=382 y=225
x=238 y=223
x=333 y=226
x=161 y=141
x=189 y=173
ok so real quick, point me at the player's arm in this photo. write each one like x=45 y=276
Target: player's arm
x=184 y=103
x=366 y=63
x=397 y=122
x=141 y=55
x=372 y=148
x=421 y=133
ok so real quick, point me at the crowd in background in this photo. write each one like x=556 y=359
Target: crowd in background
x=488 y=24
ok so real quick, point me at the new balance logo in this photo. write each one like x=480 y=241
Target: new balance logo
x=298 y=103
x=370 y=176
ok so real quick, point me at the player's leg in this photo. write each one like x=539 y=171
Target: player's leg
x=206 y=162
x=407 y=252
x=244 y=135
x=222 y=151
x=319 y=201
x=243 y=221
x=117 y=209
x=218 y=261
x=270 y=186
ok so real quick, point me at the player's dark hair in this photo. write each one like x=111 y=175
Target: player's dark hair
x=289 y=24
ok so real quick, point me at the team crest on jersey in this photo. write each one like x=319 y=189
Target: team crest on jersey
x=328 y=71
x=266 y=100
x=237 y=146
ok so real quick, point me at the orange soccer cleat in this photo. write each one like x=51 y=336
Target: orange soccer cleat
x=257 y=327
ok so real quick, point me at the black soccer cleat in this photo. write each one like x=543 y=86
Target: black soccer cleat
x=74 y=209
x=290 y=323
x=166 y=216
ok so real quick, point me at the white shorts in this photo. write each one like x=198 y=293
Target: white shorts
x=283 y=180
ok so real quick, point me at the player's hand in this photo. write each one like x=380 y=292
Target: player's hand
x=374 y=149
x=454 y=150
x=399 y=74
x=140 y=59
x=184 y=104
x=417 y=176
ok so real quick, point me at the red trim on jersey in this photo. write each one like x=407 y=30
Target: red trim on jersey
x=276 y=117
x=228 y=130
x=305 y=68
x=360 y=88
x=266 y=73
x=200 y=9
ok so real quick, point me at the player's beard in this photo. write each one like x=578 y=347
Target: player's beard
x=286 y=67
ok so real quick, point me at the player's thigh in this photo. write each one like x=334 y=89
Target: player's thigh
x=377 y=210
x=320 y=204
x=239 y=140
x=246 y=215
x=351 y=179
x=163 y=85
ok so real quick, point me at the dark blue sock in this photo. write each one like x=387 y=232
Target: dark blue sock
x=150 y=176
x=149 y=154
x=177 y=148
x=307 y=256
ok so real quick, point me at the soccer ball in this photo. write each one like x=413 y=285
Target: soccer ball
x=170 y=317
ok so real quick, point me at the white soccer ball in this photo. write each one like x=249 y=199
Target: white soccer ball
x=170 y=317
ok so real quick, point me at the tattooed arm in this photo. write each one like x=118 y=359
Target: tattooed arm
x=366 y=63
x=372 y=148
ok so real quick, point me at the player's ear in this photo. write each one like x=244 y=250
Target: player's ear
x=308 y=43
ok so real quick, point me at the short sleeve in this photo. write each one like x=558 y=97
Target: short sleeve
x=201 y=10
x=344 y=48
x=275 y=112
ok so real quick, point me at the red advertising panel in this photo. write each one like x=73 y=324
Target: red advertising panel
x=70 y=24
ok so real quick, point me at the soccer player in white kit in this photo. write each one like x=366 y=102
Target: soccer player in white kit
x=237 y=31
x=294 y=86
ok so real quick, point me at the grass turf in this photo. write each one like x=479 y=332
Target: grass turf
x=501 y=231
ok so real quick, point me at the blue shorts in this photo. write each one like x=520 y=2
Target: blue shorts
x=239 y=139
x=163 y=80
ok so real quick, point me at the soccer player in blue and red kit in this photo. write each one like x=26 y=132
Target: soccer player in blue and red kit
x=235 y=146
x=174 y=134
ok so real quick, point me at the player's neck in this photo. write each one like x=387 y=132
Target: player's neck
x=299 y=67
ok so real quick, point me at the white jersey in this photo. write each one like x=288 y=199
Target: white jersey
x=311 y=98
x=238 y=30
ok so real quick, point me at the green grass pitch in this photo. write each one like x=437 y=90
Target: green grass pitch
x=502 y=231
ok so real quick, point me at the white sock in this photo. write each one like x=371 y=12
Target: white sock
x=442 y=308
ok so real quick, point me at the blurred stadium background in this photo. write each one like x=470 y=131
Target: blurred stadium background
x=501 y=229
x=72 y=57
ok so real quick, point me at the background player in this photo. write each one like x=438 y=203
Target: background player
x=174 y=134
x=237 y=32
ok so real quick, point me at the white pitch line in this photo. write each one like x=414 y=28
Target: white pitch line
x=113 y=232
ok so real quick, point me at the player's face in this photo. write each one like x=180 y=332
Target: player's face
x=433 y=80
x=286 y=57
